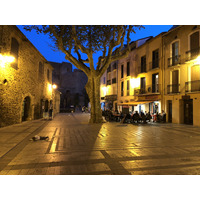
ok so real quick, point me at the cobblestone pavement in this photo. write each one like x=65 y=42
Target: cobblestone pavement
x=78 y=148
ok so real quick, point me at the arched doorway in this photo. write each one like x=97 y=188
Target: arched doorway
x=26 y=108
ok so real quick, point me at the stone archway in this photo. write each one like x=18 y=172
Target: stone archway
x=26 y=109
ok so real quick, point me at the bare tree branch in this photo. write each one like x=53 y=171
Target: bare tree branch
x=77 y=42
x=69 y=57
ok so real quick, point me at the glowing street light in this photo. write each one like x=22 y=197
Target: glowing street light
x=6 y=59
x=54 y=86
x=197 y=60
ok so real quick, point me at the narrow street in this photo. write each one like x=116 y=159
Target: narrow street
x=78 y=148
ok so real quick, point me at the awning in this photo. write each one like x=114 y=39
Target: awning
x=134 y=103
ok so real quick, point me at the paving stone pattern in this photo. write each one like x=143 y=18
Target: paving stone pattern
x=78 y=148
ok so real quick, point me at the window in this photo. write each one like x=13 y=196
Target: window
x=175 y=53
x=175 y=81
x=122 y=71
x=48 y=74
x=155 y=59
x=143 y=85
x=155 y=86
x=128 y=69
x=194 y=45
x=128 y=86
x=109 y=69
x=143 y=64
x=195 y=78
x=122 y=88
x=14 y=52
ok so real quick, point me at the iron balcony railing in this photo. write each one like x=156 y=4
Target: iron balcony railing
x=108 y=82
x=154 y=64
x=173 y=88
x=148 y=89
x=192 y=86
x=175 y=60
x=192 y=54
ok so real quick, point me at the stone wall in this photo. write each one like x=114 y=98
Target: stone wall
x=23 y=81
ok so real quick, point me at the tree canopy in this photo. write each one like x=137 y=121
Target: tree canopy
x=89 y=39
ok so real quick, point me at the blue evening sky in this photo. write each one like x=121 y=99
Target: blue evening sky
x=42 y=42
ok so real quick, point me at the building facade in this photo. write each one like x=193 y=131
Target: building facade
x=182 y=74
x=71 y=84
x=109 y=87
x=148 y=88
x=162 y=73
x=26 y=84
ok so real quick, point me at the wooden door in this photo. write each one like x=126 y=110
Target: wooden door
x=170 y=111
x=188 y=111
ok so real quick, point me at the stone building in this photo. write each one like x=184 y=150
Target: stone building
x=71 y=84
x=26 y=84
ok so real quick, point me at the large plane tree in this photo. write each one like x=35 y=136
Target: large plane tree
x=83 y=41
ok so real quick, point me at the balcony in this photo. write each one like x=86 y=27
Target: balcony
x=192 y=86
x=154 y=64
x=114 y=80
x=192 y=54
x=149 y=89
x=173 y=61
x=108 y=82
x=173 y=89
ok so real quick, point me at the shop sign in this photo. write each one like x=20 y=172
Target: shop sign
x=153 y=97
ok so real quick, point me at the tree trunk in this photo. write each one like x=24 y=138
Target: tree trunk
x=93 y=91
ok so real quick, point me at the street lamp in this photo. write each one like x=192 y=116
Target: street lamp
x=197 y=60
x=6 y=59
x=54 y=86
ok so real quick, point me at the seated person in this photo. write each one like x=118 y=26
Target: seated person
x=163 y=116
x=148 y=116
x=136 y=116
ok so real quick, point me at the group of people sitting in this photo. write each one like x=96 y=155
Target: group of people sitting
x=134 y=117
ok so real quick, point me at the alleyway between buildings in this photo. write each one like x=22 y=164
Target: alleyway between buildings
x=78 y=148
